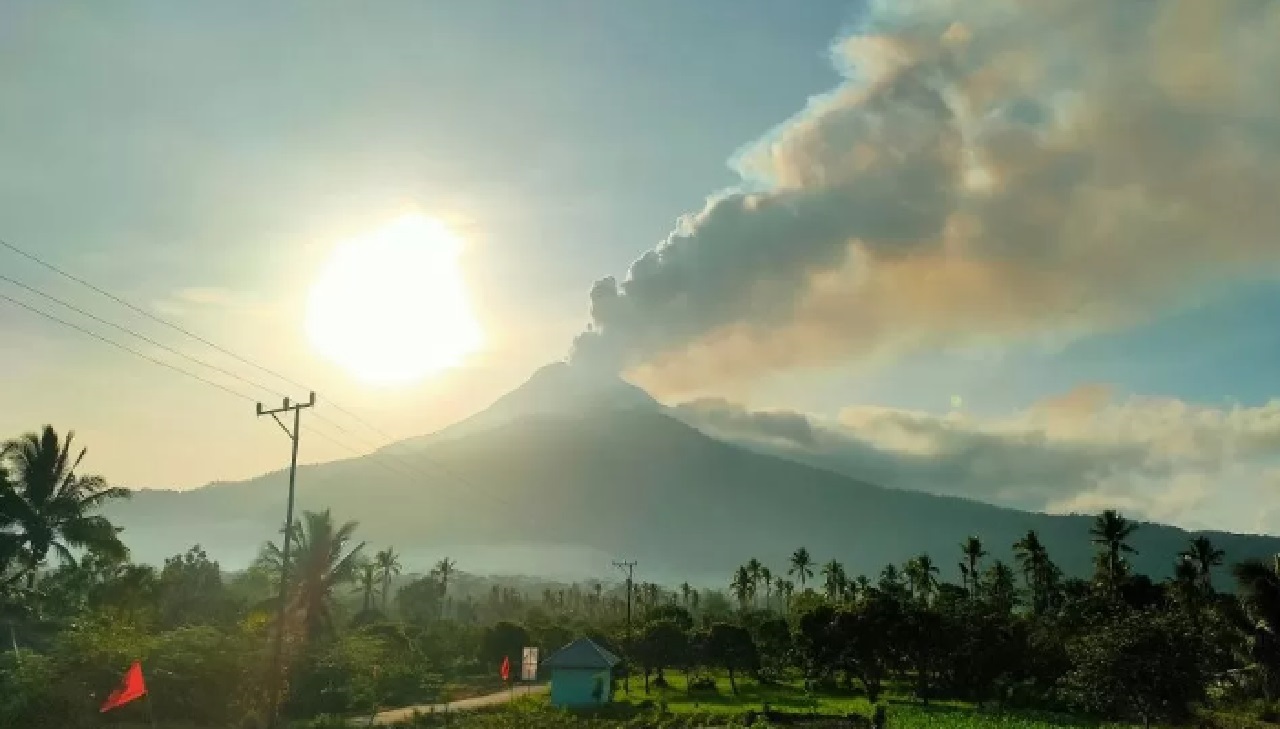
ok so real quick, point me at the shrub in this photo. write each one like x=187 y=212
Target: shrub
x=705 y=684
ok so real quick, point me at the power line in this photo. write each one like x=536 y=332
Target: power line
x=125 y=348
x=133 y=307
x=165 y=322
x=123 y=302
x=162 y=363
x=126 y=330
x=440 y=467
x=406 y=471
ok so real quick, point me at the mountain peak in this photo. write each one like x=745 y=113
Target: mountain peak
x=562 y=387
x=558 y=388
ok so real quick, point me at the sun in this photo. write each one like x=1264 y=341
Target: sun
x=391 y=307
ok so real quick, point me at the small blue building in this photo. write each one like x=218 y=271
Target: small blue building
x=581 y=674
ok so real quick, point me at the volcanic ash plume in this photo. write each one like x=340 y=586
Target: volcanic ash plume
x=987 y=170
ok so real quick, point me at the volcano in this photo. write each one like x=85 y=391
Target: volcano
x=573 y=469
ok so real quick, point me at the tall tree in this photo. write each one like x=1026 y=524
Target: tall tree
x=1204 y=556
x=326 y=558
x=388 y=564
x=685 y=591
x=743 y=586
x=921 y=575
x=1109 y=532
x=753 y=568
x=190 y=591
x=785 y=589
x=973 y=553
x=834 y=580
x=1040 y=573
x=1259 y=584
x=52 y=508
x=766 y=579
x=444 y=569
x=731 y=648
x=801 y=566
x=999 y=588
x=369 y=584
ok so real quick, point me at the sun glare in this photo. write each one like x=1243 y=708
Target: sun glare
x=391 y=307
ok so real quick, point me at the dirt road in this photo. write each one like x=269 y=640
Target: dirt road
x=393 y=715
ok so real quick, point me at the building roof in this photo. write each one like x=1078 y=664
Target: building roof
x=581 y=653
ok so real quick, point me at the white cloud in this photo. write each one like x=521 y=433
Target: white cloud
x=1158 y=458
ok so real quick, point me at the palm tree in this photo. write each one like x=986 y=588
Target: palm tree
x=1260 y=590
x=12 y=546
x=864 y=584
x=1000 y=585
x=368 y=584
x=766 y=579
x=920 y=571
x=1109 y=532
x=50 y=507
x=325 y=559
x=388 y=563
x=1186 y=582
x=1201 y=553
x=743 y=586
x=785 y=588
x=753 y=569
x=443 y=569
x=1259 y=584
x=835 y=580
x=801 y=566
x=973 y=554
x=1039 y=572
x=651 y=594
x=890 y=580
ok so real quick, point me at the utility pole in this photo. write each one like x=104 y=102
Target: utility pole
x=294 y=435
x=628 y=569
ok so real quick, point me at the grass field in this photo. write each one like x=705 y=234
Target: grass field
x=791 y=697
x=674 y=708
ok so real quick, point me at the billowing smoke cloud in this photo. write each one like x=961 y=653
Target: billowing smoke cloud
x=989 y=169
x=1083 y=451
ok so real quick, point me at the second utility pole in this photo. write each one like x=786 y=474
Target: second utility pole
x=628 y=569
x=294 y=435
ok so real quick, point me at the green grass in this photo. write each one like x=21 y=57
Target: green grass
x=751 y=696
x=639 y=710
x=790 y=696
x=534 y=713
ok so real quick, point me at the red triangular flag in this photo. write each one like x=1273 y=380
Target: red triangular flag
x=132 y=687
x=505 y=671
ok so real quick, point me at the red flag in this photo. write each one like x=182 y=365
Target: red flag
x=505 y=671
x=131 y=687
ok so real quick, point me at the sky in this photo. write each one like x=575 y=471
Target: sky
x=1024 y=252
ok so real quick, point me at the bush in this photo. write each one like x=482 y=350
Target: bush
x=204 y=674
x=705 y=684
x=1143 y=666
x=29 y=695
